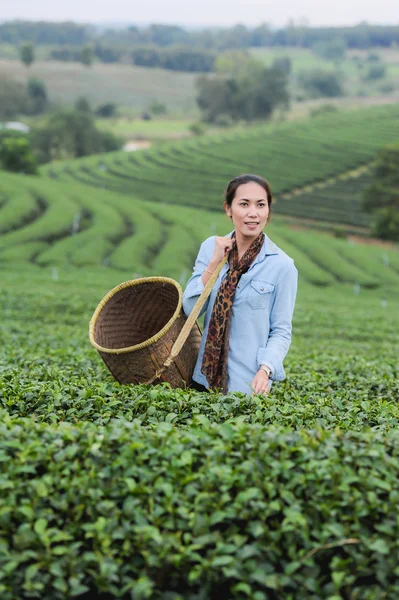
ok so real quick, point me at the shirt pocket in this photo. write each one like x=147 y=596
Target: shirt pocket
x=259 y=294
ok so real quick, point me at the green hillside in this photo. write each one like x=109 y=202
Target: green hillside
x=291 y=155
x=147 y=212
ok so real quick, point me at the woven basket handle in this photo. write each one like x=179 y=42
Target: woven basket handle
x=183 y=335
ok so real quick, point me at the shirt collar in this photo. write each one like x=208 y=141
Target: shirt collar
x=268 y=247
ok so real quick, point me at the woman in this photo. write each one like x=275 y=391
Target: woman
x=247 y=327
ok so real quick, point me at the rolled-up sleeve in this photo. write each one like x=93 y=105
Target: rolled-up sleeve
x=195 y=284
x=279 y=339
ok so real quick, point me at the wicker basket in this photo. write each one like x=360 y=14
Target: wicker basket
x=142 y=334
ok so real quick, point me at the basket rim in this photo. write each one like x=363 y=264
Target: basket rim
x=152 y=339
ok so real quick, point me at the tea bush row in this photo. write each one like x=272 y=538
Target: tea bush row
x=216 y=511
x=113 y=491
x=82 y=225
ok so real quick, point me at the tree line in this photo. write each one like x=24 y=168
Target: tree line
x=42 y=33
x=177 y=58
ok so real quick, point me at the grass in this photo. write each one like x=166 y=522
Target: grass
x=126 y=85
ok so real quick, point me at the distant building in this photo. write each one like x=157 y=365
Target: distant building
x=16 y=126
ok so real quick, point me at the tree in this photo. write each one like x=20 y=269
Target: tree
x=376 y=71
x=283 y=63
x=13 y=98
x=16 y=154
x=381 y=198
x=83 y=105
x=71 y=134
x=87 y=56
x=254 y=94
x=157 y=108
x=318 y=83
x=333 y=50
x=27 y=53
x=233 y=62
x=175 y=58
x=107 y=110
x=37 y=94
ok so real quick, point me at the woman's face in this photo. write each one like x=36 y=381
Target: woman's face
x=249 y=210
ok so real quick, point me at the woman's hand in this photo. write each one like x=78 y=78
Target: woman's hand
x=223 y=247
x=260 y=383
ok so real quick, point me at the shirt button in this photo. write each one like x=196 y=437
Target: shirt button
x=238 y=285
x=261 y=289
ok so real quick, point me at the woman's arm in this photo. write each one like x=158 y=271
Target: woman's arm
x=211 y=253
x=281 y=313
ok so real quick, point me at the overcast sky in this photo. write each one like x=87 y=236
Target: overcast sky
x=205 y=12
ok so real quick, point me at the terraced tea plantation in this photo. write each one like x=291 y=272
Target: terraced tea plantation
x=291 y=155
x=140 y=492
x=146 y=213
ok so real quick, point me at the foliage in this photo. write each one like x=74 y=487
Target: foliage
x=27 y=53
x=110 y=41
x=373 y=57
x=157 y=108
x=197 y=128
x=318 y=83
x=82 y=104
x=65 y=54
x=283 y=63
x=140 y=491
x=107 y=110
x=113 y=491
x=87 y=55
x=232 y=62
x=381 y=197
x=37 y=93
x=43 y=32
x=323 y=109
x=174 y=59
x=333 y=50
x=385 y=224
x=16 y=155
x=375 y=71
x=107 y=54
x=128 y=232
x=71 y=133
x=13 y=98
x=254 y=94
x=297 y=154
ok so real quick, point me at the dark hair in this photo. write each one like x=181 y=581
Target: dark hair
x=248 y=178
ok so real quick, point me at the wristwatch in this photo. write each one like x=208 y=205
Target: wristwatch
x=267 y=370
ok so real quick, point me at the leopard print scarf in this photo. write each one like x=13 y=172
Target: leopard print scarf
x=214 y=363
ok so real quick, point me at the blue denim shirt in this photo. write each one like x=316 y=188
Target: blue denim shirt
x=260 y=331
